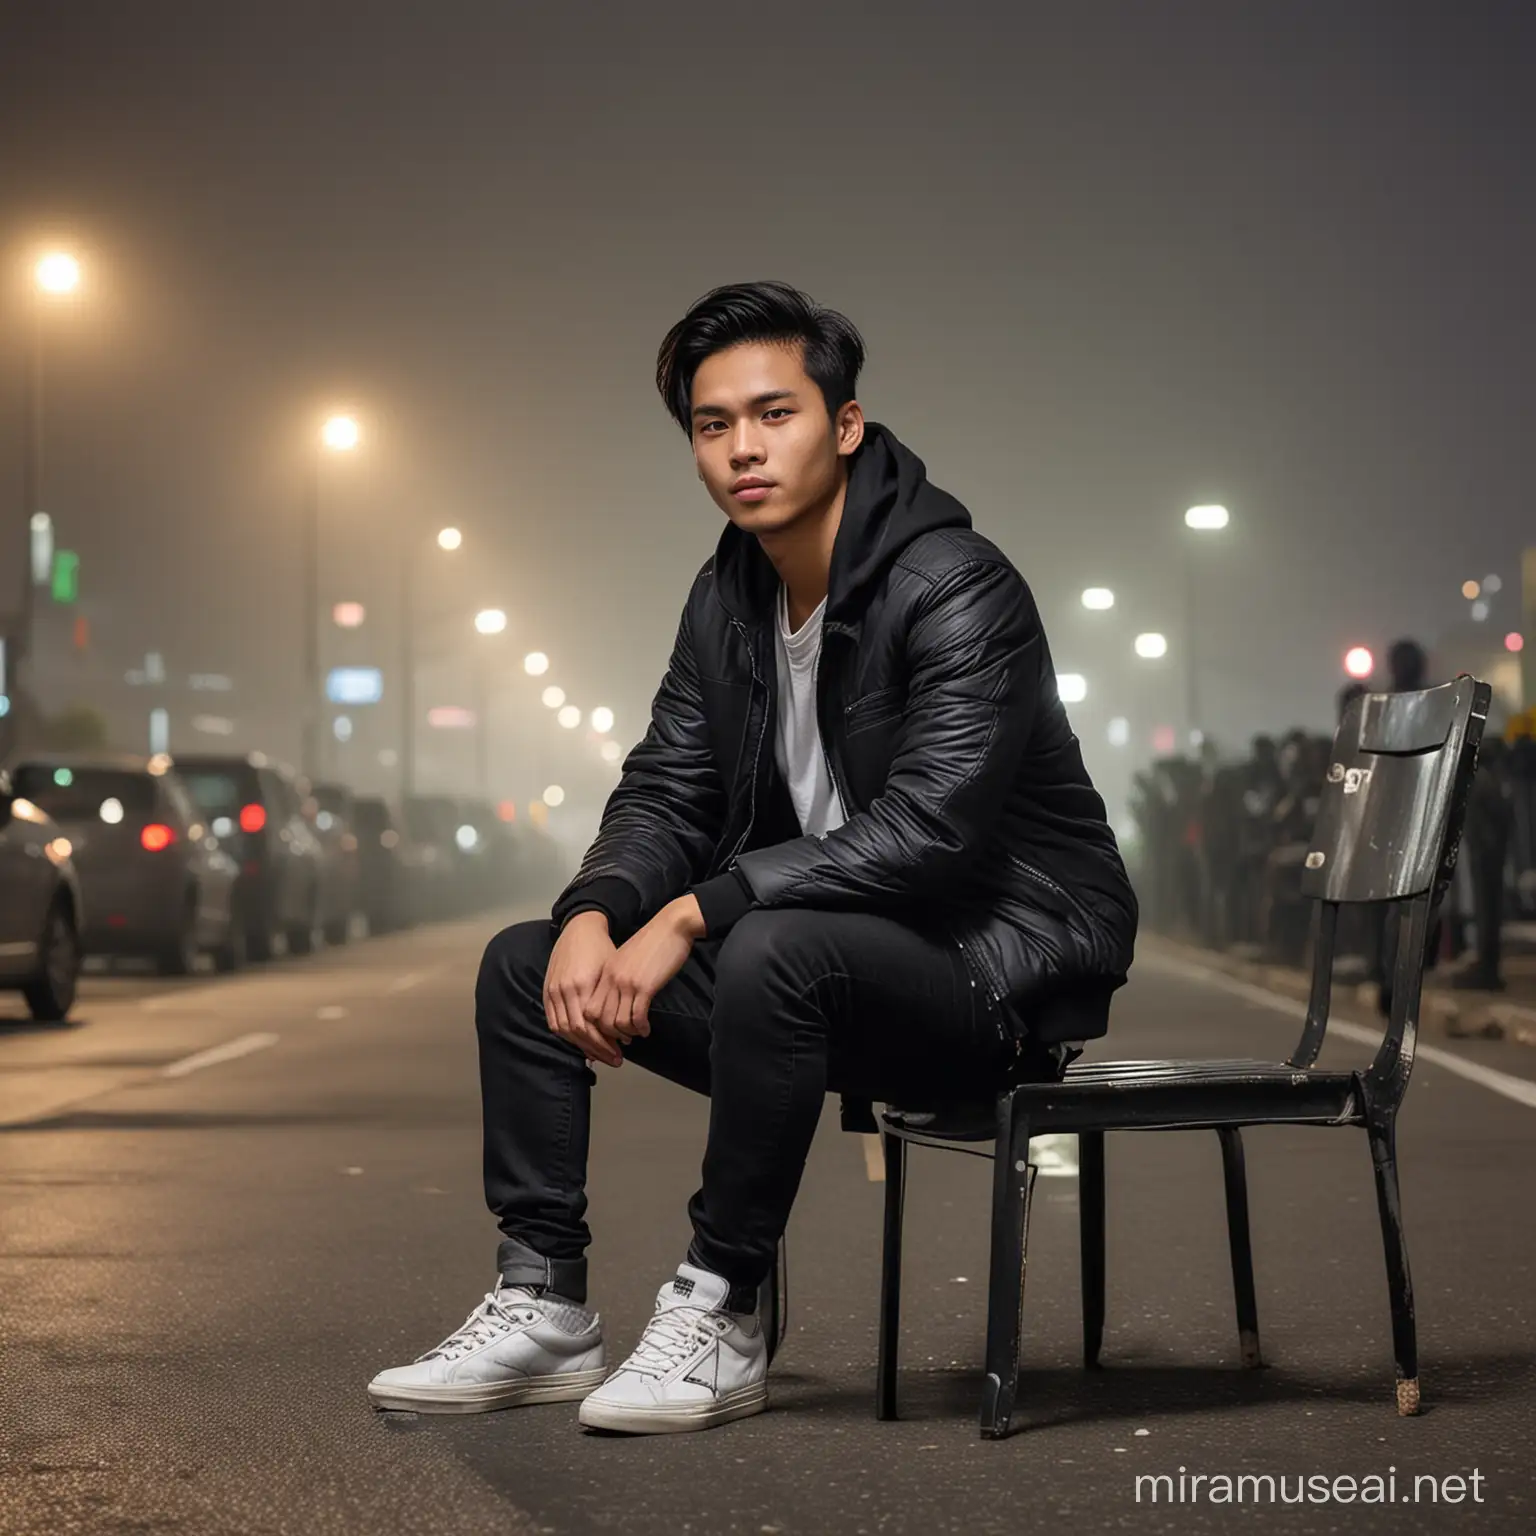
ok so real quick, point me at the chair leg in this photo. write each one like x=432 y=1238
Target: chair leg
x=1013 y=1180
x=1235 y=1176
x=1090 y=1184
x=1383 y=1135
x=773 y=1301
x=895 y=1150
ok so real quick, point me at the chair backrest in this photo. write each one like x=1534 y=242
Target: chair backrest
x=1388 y=828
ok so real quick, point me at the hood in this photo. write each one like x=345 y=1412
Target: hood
x=889 y=503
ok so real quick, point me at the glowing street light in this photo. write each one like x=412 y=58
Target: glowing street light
x=491 y=621
x=553 y=697
x=1098 y=598
x=1119 y=731
x=569 y=717
x=1072 y=687
x=554 y=796
x=57 y=272
x=1151 y=645
x=449 y=538
x=1207 y=519
x=1358 y=661
x=602 y=720
x=1470 y=590
x=612 y=751
x=341 y=434
x=535 y=663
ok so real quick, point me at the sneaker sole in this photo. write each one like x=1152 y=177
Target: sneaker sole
x=740 y=1404
x=487 y=1396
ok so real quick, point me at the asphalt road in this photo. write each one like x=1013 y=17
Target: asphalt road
x=225 y=1204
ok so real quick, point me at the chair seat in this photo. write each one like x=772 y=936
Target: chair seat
x=1150 y=1095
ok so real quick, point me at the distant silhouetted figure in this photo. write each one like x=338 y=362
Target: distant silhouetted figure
x=1490 y=821
x=1407 y=666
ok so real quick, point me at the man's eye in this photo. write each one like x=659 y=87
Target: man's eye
x=780 y=410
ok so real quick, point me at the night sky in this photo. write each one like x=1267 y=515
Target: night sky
x=1109 y=260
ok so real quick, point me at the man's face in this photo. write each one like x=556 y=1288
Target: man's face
x=757 y=415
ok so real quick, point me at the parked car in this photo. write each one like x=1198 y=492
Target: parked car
x=393 y=866
x=257 y=807
x=336 y=827
x=492 y=854
x=433 y=822
x=40 y=908
x=156 y=881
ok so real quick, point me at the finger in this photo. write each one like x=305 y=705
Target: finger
x=604 y=1050
x=554 y=1010
x=592 y=1004
x=609 y=1019
x=640 y=1015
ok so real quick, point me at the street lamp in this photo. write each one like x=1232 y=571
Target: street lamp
x=1098 y=598
x=602 y=720
x=1151 y=646
x=55 y=276
x=1071 y=687
x=535 y=663
x=553 y=696
x=569 y=717
x=447 y=540
x=1203 y=519
x=338 y=434
x=490 y=621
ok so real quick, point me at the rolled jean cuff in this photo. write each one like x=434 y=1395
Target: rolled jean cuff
x=520 y=1265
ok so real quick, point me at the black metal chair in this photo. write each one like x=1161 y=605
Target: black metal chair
x=1387 y=831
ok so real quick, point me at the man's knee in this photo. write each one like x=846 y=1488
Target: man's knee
x=766 y=947
x=512 y=968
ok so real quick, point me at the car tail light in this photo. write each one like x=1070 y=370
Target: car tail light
x=252 y=818
x=156 y=837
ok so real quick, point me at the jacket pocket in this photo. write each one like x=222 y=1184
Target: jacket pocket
x=873 y=709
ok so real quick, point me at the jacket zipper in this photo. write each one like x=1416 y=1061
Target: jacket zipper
x=757 y=755
x=828 y=748
x=1040 y=877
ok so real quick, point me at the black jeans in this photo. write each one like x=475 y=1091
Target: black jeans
x=765 y=1021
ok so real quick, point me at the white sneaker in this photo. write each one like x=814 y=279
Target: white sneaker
x=695 y=1366
x=515 y=1347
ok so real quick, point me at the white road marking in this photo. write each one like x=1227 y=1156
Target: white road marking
x=1520 y=1089
x=331 y=1011
x=229 y=1051
x=406 y=982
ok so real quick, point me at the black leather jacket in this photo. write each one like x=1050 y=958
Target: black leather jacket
x=969 y=812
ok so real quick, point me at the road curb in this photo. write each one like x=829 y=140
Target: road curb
x=1449 y=1015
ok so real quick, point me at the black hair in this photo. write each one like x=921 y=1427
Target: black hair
x=765 y=311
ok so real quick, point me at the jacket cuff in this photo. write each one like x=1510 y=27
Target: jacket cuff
x=724 y=900
x=608 y=894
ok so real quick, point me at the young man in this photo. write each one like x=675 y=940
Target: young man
x=857 y=850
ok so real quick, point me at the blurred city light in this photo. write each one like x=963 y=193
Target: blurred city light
x=342 y=726
x=1479 y=611
x=348 y=615
x=449 y=538
x=553 y=696
x=450 y=717
x=41 y=527
x=490 y=621
x=1119 y=731
x=111 y=810
x=535 y=663
x=1492 y=585
x=612 y=751
x=341 y=434
x=1514 y=641
x=57 y=272
x=1072 y=687
x=602 y=720
x=1358 y=661
x=506 y=810
x=1164 y=739
x=554 y=795
x=1098 y=598
x=466 y=837
x=569 y=717
x=1151 y=645
x=1470 y=589
x=1206 y=519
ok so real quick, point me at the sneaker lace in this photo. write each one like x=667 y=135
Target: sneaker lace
x=486 y=1322
x=671 y=1336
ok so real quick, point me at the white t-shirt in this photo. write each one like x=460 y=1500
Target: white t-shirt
x=797 y=739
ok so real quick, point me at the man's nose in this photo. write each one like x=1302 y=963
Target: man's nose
x=746 y=445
